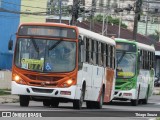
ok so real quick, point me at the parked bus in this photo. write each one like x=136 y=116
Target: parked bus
x=135 y=71
x=58 y=63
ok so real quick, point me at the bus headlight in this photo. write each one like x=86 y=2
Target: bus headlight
x=18 y=79
x=67 y=83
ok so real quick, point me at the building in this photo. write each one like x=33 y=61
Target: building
x=34 y=10
x=9 y=21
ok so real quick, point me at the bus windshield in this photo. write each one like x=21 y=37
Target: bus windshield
x=44 y=55
x=125 y=64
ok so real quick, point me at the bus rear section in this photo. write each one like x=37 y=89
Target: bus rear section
x=134 y=75
x=49 y=66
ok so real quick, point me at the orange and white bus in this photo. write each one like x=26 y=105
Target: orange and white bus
x=56 y=62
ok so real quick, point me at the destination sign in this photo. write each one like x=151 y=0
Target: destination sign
x=49 y=31
x=126 y=47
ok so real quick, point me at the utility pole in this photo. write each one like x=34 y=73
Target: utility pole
x=136 y=18
x=60 y=10
x=147 y=18
x=75 y=12
x=92 y=13
x=120 y=21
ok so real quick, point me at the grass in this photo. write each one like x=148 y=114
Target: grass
x=5 y=92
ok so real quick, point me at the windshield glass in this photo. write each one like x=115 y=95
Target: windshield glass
x=45 y=55
x=126 y=64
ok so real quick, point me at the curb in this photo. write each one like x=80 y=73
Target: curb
x=9 y=99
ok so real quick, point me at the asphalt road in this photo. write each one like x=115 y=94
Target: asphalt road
x=119 y=110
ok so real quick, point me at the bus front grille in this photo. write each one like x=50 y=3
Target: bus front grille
x=42 y=90
x=43 y=81
x=43 y=78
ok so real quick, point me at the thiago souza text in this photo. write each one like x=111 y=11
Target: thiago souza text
x=146 y=115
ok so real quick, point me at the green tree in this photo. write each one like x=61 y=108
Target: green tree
x=111 y=20
x=155 y=36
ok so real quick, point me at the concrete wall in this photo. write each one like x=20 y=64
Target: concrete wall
x=9 y=22
x=5 y=79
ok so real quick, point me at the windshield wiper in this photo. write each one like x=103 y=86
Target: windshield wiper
x=35 y=45
x=123 y=53
x=55 y=44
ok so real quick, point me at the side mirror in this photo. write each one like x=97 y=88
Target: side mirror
x=10 y=44
x=139 y=57
x=81 y=42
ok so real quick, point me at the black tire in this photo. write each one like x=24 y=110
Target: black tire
x=145 y=101
x=135 y=102
x=77 y=104
x=24 y=100
x=89 y=104
x=46 y=103
x=99 y=104
x=54 y=103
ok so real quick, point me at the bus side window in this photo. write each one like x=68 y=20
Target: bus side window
x=109 y=55
x=114 y=64
x=92 y=51
x=153 y=58
x=87 y=50
x=143 y=62
x=106 y=55
x=140 y=60
x=99 y=54
x=103 y=54
x=147 y=60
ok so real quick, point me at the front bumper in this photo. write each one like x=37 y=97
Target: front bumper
x=19 y=89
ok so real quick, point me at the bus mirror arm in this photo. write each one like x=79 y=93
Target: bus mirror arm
x=139 y=58
x=81 y=42
x=10 y=44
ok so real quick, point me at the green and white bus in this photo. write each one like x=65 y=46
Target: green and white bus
x=135 y=71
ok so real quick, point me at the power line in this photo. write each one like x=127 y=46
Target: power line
x=23 y=5
x=28 y=13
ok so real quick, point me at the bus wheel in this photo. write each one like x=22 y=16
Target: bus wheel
x=24 y=100
x=54 y=103
x=135 y=102
x=77 y=104
x=89 y=104
x=145 y=101
x=99 y=104
x=46 y=103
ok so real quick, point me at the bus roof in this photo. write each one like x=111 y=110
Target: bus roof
x=145 y=47
x=48 y=24
x=139 y=45
x=81 y=31
x=97 y=36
